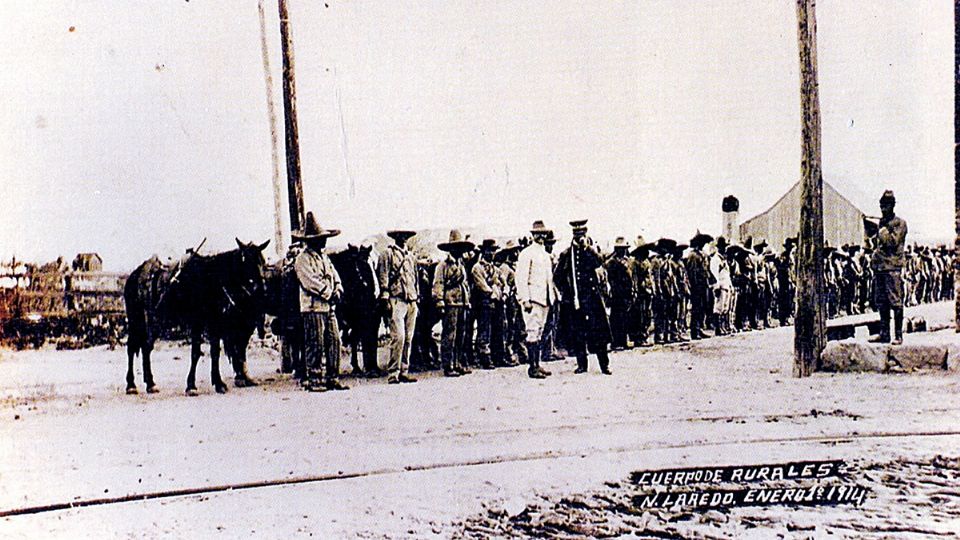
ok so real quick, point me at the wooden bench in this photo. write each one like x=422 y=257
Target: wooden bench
x=837 y=330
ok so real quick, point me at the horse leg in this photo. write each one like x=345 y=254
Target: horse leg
x=195 y=354
x=147 y=371
x=240 y=366
x=131 y=353
x=218 y=384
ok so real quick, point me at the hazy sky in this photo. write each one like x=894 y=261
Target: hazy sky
x=145 y=129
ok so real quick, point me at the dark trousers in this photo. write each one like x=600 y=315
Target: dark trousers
x=641 y=315
x=485 y=315
x=620 y=324
x=321 y=346
x=698 y=313
x=582 y=339
x=453 y=341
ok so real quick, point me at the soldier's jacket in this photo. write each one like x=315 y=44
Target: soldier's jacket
x=697 y=270
x=320 y=285
x=620 y=278
x=668 y=282
x=642 y=277
x=890 y=241
x=450 y=286
x=589 y=286
x=397 y=274
x=485 y=279
x=507 y=277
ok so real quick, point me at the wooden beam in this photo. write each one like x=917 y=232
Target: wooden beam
x=294 y=184
x=810 y=325
x=956 y=161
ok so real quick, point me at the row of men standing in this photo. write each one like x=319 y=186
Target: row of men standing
x=510 y=294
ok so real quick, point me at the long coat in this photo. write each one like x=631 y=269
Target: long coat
x=586 y=300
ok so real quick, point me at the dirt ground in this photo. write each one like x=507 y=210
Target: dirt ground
x=490 y=454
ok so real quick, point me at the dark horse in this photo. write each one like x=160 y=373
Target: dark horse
x=221 y=294
x=357 y=311
x=282 y=295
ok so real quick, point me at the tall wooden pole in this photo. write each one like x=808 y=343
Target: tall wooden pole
x=956 y=160
x=294 y=185
x=810 y=328
x=274 y=151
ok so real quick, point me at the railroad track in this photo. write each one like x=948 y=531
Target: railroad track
x=533 y=456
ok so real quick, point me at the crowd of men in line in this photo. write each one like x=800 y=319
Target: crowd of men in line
x=522 y=302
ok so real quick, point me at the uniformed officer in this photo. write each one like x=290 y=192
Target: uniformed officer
x=579 y=282
x=887 y=264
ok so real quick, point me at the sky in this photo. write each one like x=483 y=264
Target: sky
x=134 y=127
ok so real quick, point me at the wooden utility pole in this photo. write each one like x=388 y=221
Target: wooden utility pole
x=294 y=185
x=956 y=161
x=274 y=151
x=810 y=327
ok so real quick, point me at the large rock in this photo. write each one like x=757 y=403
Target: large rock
x=913 y=357
x=853 y=356
x=953 y=357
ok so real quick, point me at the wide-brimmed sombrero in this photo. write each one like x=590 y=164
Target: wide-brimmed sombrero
x=700 y=239
x=312 y=231
x=456 y=242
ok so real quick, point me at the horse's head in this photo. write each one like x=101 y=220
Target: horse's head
x=250 y=267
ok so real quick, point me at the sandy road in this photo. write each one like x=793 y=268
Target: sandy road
x=385 y=460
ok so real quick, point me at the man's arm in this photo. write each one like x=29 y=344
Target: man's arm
x=383 y=274
x=438 y=283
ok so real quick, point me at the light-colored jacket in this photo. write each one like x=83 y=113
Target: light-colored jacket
x=534 y=276
x=320 y=285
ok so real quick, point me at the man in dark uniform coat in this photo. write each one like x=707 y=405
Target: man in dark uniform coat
x=698 y=275
x=888 y=261
x=620 y=277
x=582 y=296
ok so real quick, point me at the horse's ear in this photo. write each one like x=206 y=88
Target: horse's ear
x=263 y=246
x=240 y=244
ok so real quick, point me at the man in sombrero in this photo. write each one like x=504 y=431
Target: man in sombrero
x=508 y=334
x=486 y=294
x=699 y=277
x=399 y=293
x=451 y=292
x=320 y=290
x=622 y=292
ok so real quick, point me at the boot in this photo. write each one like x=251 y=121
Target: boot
x=884 y=336
x=544 y=355
x=581 y=363
x=533 y=354
x=604 y=360
x=898 y=326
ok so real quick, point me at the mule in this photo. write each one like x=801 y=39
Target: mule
x=220 y=295
x=357 y=311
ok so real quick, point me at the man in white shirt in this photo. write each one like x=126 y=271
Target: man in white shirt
x=536 y=292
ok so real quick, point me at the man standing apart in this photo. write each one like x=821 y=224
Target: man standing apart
x=399 y=292
x=581 y=291
x=887 y=264
x=451 y=292
x=536 y=292
x=320 y=290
